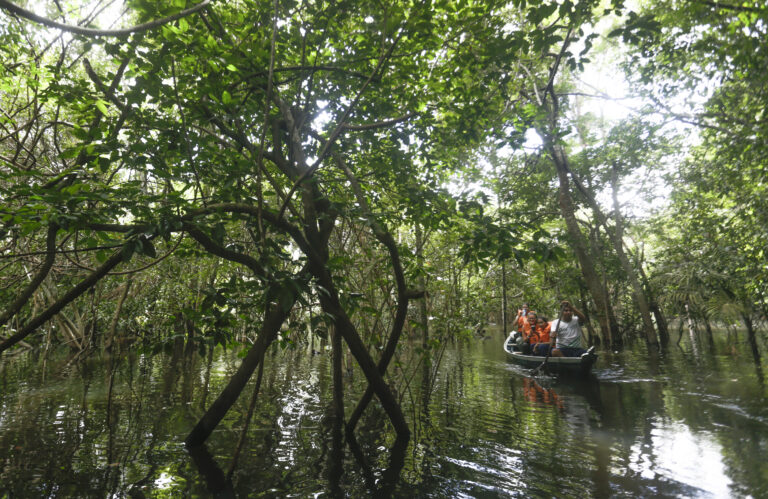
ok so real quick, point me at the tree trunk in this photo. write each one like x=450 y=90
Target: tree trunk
x=608 y=327
x=618 y=245
x=273 y=319
x=116 y=317
x=751 y=337
x=504 y=330
x=594 y=339
x=658 y=314
x=692 y=330
x=424 y=317
x=336 y=468
x=616 y=339
x=331 y=305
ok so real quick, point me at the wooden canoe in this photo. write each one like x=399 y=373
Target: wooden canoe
x=566 y=365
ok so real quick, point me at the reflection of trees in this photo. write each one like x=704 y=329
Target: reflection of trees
x=75 y=437
x=721 y=397
x=67 y=437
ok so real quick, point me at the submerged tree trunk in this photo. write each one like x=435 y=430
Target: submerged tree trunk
x=375 y=381
x=692 y=330
x=751 y=337
x=658 y=314
x=708 y=329
x=338 y=387
x=336 y=468
x=421 y=282
x=331 y=305
x=246 y=424
x=273 y=319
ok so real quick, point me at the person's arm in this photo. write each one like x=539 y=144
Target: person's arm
x=552 y=334
x=579 y=314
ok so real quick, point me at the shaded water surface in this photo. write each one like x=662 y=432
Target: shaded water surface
x=690 y=423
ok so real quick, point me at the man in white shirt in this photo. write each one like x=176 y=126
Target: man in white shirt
x=565 y=333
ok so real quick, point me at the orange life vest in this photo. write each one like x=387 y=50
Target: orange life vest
x=541 y=334
x=522 y=324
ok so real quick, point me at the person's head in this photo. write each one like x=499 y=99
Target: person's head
x=531 y=318
x=541 y=322
x=567 y=312
x=525 y=306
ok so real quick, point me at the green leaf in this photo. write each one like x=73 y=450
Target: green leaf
x=101 y=256
x=128 y=249
x=226 y=98
x=149 y=248
x=102 y=106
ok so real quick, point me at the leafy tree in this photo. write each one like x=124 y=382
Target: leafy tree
x=256 y=130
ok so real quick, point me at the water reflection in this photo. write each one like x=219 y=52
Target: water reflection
x=684 y=423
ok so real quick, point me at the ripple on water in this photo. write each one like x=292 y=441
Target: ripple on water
x=472 y=476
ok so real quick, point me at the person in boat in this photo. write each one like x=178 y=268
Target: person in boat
x=540 y=339
x=529 y=334
x=565 y=332
x=522 y=317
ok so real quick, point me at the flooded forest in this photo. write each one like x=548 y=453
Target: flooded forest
x=282 y=249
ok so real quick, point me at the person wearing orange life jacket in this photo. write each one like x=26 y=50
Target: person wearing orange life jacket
x=528 y=332
x=522 y=314
x=540 y=339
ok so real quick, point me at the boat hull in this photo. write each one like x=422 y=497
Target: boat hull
x=567 y=365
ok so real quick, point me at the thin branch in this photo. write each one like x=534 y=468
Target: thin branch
x=553 y=71
x=340 y=127
x=379 y=124
x=108 y=92
x=127 y=272
x=61 y=251
x=738 y=8
x=312 y=69
x=62 y=302
x=267 y=106
x=31 y=16
x=50 y=256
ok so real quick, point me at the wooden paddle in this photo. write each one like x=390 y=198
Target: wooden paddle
x=551 y=347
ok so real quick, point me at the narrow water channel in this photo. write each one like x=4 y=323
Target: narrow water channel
x=690 y=423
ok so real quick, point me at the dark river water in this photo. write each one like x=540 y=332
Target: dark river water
x=692 y=422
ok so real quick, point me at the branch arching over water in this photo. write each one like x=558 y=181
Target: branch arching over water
x=31 y=16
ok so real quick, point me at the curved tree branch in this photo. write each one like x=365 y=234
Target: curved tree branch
x=380 y=124
x=31 y=16
x=340 y=126
x=62 y=302
x=403 y=294
x=50 y=256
